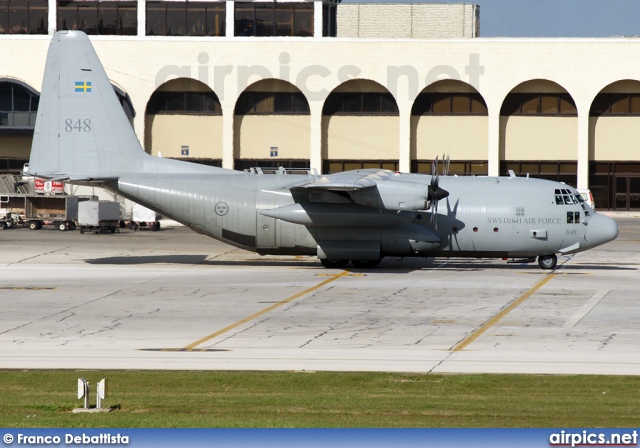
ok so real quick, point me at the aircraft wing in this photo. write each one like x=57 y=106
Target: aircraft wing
x=382 y=189
x=345 y=181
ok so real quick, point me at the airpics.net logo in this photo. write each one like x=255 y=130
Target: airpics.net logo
x=588 y=438
x=312 y=79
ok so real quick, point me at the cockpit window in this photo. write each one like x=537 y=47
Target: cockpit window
x=566 y=197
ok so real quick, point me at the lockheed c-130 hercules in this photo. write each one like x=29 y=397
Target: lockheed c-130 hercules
x=83 y=136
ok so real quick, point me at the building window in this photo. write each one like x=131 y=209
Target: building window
x=359 y=103
x=336 y=166
x=449 y=104
x=99 y=18
x=273 y=19
x=12 y=166
x=18 y=106
x=539 y=104
x=208 y=162
x=329 y=16
x=184 y=103
x=615 y=185
x=616 y=104
x=460 y=168
x=24 y=17
x=557 y=171
x=272 y=103
x=271 y=165
x=186 y=19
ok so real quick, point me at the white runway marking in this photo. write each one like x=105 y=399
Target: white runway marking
x=586 y=309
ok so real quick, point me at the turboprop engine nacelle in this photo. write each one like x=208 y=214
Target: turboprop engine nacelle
x=393 y=195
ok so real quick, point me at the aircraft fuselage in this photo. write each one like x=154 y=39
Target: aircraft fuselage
x=481 y=217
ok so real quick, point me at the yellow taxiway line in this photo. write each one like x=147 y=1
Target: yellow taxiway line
x=495 y=319
x=266 y=310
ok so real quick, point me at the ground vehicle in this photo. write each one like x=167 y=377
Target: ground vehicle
x=588 y=197
x=99 y=216
x=12 y=220
x=143 y=217
x=62 y=211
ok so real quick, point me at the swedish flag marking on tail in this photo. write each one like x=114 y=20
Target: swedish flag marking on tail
x=83 y=86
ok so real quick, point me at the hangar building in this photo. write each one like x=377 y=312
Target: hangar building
x=336 y=86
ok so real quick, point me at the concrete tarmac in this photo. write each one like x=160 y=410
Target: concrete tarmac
x=177 y=300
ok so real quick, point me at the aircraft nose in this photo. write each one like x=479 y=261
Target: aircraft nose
x=601 y=229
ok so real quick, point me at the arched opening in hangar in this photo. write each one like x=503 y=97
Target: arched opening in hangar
x=18 y=110
x=614 y=145
x=125 y=102
x=450 y=117
x=360 y=127
x=272 y=125
x=183 y=120
x=539 y=132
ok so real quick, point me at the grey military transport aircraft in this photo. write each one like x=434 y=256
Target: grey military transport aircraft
x=83 y=136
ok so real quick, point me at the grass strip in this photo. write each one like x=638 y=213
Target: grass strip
x=187 y=399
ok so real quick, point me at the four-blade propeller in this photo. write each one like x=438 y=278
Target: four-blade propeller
x=435 y=193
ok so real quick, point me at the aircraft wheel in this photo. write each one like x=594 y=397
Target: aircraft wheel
x=334 y=264
x=548 y=261
x=366 y=264
x=33 y=225
x=62 y=226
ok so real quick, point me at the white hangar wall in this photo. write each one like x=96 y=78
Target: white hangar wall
x=403 y=68
x=494 y=67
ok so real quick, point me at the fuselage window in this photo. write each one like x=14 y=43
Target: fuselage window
x=573 y=217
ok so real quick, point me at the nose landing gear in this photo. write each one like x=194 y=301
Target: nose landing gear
x=547 y=262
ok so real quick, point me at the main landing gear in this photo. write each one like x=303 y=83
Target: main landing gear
x=360 y=264
x=548 y=261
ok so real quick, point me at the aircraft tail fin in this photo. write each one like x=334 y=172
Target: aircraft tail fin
x=82 y=132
